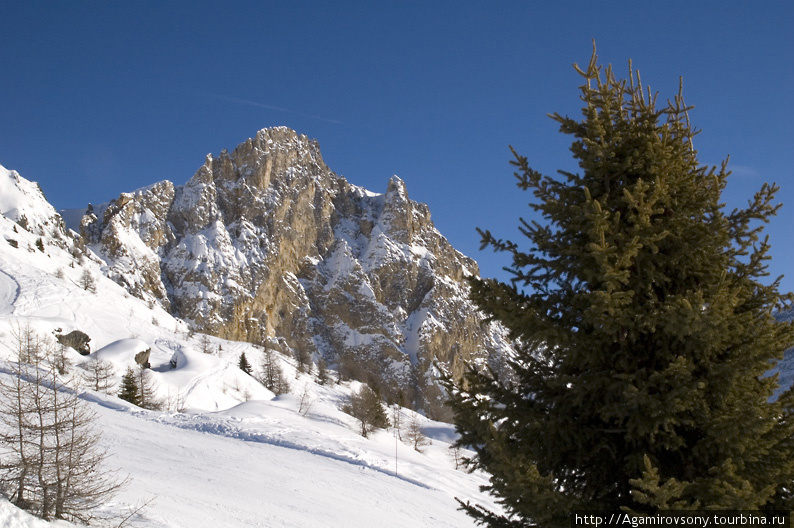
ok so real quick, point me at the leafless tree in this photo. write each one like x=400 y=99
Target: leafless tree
x=206 y=344
x=87 y=281
x=414 y=435
x=397 y=420
x=322 y=372
x=61 y=359
x=147 y=390
x=456 y=455
x=175 y=402
x=51 y=460
x=17 y=411
x=99 y=375
x=306 y=401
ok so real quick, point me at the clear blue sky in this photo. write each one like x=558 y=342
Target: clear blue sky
x=102 y=97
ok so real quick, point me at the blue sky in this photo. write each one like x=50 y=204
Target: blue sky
x=97 y=98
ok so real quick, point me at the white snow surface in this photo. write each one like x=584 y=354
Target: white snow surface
x=20 y=197
x=226 y=452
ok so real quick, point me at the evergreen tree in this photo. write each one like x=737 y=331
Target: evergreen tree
x=322 y=372
x=643 y=331
x=244 y=365
x=304 y=359
x=272 y=376
x=365 y=405
x=129 y=387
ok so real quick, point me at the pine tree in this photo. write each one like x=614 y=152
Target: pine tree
x=129 y=387
x=304 y=360
x=244 y=365
x=272 y=376
x=322 y=372
x=643 y=331
x=365 y=405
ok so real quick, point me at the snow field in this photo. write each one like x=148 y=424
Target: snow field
x=236 y=455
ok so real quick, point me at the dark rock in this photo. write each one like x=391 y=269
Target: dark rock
x=142 y=358
x=77 y=340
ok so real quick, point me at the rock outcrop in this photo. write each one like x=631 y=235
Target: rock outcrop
x=267 y=244
x=77 y=340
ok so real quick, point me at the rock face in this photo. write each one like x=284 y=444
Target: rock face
x=77 y=340
x=267 y=244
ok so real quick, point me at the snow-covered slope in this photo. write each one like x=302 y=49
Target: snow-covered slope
x=225 y=452
x=23 y=201
x=266 y=242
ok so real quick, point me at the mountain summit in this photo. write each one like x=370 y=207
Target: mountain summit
x=266 y=244
x=223 y=448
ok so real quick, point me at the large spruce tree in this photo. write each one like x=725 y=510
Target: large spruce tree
x=644 y=328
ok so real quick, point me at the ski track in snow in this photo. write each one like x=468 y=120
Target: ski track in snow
x=207 y=375
x=225 y=429
x=9 y=293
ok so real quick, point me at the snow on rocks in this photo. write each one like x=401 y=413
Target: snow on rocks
x=235 y=455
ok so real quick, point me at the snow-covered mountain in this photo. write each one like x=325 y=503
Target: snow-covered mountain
x=282 y=252
x=266 y=244
x=225 y=451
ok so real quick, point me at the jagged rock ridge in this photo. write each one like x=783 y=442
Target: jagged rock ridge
x=267 y=244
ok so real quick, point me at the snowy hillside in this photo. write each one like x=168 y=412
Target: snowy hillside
x=266 y=241
x=226 y=451
x=22 y=200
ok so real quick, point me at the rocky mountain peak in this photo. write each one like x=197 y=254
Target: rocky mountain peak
x=266 y=244
x=271 y=151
